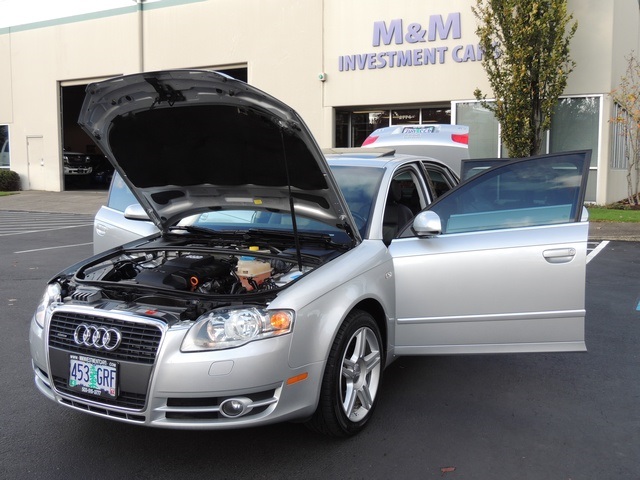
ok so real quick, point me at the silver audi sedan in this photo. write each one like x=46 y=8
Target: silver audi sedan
x=293 y=285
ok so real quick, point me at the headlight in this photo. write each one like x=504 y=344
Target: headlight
x=52 y=294
x=228 y=328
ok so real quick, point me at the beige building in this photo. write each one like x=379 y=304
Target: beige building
x=347 y=67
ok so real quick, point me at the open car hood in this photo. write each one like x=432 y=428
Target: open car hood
x=191 y=141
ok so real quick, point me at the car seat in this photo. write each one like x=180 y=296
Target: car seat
x=396 y=214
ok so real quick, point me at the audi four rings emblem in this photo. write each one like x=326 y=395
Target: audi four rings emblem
x=98 y=337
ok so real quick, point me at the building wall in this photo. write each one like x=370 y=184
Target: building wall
x=285 y=45
x=43 y=58
x=280 y=43
x=625 y=39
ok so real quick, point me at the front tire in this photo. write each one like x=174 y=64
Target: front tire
x=351 y=379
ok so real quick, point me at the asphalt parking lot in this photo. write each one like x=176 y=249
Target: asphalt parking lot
x=526 y=416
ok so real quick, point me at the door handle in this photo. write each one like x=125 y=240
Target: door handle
x=559 y=255
x=101 y=229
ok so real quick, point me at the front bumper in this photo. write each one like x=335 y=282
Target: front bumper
x=181 y=390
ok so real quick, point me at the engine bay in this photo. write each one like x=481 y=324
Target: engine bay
x=181 y=281
x=197 y=270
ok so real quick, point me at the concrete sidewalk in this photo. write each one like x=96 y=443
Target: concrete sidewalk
x=89 y=202
x=77 y=201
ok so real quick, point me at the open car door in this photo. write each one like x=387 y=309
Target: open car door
x=497 y=264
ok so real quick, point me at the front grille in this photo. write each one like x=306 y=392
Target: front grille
x=140 y=341
x=135 y=355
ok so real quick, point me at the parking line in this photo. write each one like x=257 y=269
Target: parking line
x=53 y=248
x=24 y=232
x=597 y=250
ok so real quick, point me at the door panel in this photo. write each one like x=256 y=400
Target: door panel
x=507 y=274
x=35 y=163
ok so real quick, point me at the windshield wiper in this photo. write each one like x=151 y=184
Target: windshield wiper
x=209 y=233
x=307 y=238
x=263 y=237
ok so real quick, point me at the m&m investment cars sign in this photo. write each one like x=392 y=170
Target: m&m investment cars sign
x=425 y=50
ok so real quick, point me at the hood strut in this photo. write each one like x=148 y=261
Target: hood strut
x=294 y=225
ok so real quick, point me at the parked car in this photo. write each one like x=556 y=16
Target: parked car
x=86 y=169
x=297 y=284
x=447 y=143
x=121 y=220
x=102 y=171
x=76 y=164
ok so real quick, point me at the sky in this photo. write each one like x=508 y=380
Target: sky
x=20 y=12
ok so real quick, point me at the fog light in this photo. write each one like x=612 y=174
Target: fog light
x=235 y=407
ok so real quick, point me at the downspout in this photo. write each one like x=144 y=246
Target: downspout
x=140 y=14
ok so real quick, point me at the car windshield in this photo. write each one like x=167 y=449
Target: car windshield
x=261 y=220
x=359 y=186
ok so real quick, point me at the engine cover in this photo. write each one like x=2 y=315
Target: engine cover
x=185 y=273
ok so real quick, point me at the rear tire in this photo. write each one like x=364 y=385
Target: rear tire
x=351 y=379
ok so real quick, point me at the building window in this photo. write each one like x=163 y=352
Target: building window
x=362 y=123
x=5 y=161
x=620 y=138
x=484 y=129
x=404 y=117
x=575 y=125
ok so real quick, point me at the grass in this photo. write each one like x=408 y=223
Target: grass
x=4 y=194
x=613 y=214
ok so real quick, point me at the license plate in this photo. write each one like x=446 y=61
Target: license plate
x=94 y=376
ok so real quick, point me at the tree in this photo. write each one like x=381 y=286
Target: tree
x=526 y=57
x=627 y=121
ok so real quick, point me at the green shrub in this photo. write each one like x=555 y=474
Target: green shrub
x=9 y=181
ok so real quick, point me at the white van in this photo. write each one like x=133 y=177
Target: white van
x=447 y=143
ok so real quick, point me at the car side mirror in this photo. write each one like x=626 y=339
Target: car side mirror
x=427 y=224
x=135 y=212
x=585 y=215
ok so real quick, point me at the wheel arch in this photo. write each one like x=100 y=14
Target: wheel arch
x=374 y=308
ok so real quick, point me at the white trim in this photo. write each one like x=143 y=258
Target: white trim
x=601 y=246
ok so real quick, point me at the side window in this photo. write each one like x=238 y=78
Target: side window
x=120 y=197
x=440 y=182
x=404 y=201
x=536 y=191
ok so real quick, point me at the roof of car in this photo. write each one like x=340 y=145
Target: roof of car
x=371 y=157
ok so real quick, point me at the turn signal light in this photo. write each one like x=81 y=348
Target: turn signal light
x=280 y=320
x=297 y=378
